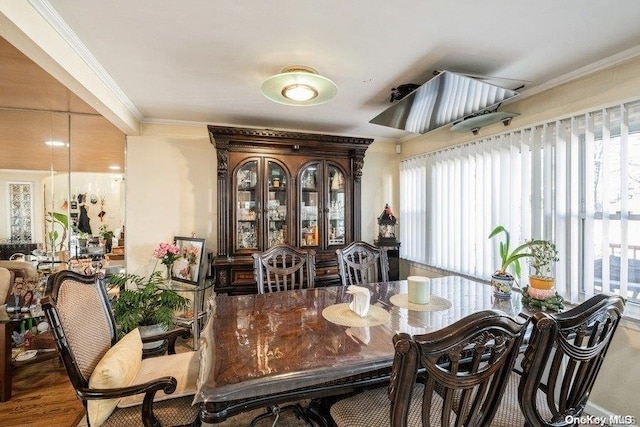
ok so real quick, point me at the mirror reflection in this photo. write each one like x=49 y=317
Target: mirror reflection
x=61 y=172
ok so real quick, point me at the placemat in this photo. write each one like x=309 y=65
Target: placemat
x=437 y=303
x=341 y=314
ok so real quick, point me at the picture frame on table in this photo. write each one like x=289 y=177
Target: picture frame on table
x=188 y=267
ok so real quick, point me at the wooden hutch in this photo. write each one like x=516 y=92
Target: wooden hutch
x=284 y=187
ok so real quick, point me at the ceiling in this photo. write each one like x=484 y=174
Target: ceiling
x=203 y=61
x=35 y=108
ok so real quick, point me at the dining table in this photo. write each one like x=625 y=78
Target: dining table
x=259 y=350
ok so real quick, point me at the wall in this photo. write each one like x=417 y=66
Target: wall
x=379 y=186
x=617 y=384
x=171 y=191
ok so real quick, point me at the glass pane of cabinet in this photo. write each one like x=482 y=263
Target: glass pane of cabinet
x=247 y=216
x=309 y=207
x=336 y=209
x=277 y=214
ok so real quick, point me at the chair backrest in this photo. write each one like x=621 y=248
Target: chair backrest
x=6 y=283
x=82 y=323
x=466 y=369
x=283 y=268
x=564 y=357
x=360 y=262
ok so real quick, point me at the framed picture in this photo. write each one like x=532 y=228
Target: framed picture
x=187 y=267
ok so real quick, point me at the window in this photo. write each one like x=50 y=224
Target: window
x=574 y=181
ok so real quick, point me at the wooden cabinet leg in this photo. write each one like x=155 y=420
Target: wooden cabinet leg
x=5 y=361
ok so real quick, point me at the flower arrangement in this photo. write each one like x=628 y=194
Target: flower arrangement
x=168 y=253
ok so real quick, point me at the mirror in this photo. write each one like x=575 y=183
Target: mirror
x=61 y=169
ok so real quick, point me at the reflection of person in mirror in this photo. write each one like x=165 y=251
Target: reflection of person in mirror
x=16 y=299
x=28 y=299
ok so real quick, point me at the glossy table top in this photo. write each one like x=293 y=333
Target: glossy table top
x=254 y=345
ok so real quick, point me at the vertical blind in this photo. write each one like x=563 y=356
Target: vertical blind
x=574 y=181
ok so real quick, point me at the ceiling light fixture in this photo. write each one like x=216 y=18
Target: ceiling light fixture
x=299 y=85
x=56 y=143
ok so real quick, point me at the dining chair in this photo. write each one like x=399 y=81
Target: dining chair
x=116 y=386
x=284 y=268
x=463 y=369
x=561 y=364
x=360 y=262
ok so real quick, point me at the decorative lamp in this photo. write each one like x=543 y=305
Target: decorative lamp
x=387 y=227
x=299 y=85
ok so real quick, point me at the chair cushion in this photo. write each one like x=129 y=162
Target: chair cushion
x=117 y=368
x=182 y=366
x=372 y=408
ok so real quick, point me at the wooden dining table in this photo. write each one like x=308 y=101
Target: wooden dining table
x=259 y=350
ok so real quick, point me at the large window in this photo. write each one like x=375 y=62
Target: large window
x=574 y=181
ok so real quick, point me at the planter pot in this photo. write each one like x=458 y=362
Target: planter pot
x=541 y=288
x=502 y=285
x=146 y=331
x=542 y=282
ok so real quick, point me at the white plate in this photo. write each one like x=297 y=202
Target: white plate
x=26 y=355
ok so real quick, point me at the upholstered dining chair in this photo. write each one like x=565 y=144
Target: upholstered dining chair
x=360 y=262
x=283 y=268
x=463 y=367
x=116 y=386
x=561 y=364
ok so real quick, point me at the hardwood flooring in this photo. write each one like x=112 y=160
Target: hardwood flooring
x=42 y=396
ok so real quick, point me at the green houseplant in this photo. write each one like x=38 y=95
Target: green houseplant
x=107 y=235
x=58 y=221
x=502 y=280
x=541 y=291
x=148 y=303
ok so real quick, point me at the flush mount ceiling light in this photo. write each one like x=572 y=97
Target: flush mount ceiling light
x=299 y=85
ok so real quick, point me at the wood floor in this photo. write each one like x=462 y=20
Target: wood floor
x=42 y=396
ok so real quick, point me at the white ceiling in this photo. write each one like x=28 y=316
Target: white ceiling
x=203 y=61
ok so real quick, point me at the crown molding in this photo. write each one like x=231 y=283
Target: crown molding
x=49 y=14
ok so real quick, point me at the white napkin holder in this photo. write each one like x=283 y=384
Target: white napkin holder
x=361 y=300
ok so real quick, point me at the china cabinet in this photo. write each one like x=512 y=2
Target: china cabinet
x=284 y=187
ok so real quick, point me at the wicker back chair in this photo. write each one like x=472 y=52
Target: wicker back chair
x=463 y=368
x=561 y=364
x=360 y=262
x=284 y=268
x=84 y=329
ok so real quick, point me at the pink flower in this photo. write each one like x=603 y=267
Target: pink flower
x=167 y=252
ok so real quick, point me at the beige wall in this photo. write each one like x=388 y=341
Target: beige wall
x=170 y=191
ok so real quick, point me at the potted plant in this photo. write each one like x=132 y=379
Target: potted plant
x=61 y=221
x=502 y=280
x=150 y=304
x=107 y=235
x=541 y=291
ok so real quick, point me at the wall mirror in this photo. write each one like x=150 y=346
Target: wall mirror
x=61 y=170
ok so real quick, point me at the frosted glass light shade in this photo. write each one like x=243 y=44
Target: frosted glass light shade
x=299 y=85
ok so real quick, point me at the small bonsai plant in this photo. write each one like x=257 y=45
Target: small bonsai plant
x=148 y=304
x=543 y=255
x=510 y=257
x=541 y=291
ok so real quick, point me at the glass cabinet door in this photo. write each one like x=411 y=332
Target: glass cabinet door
x=309 y=207
x=336 y=210
x=247 y=207
x=277 y=213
